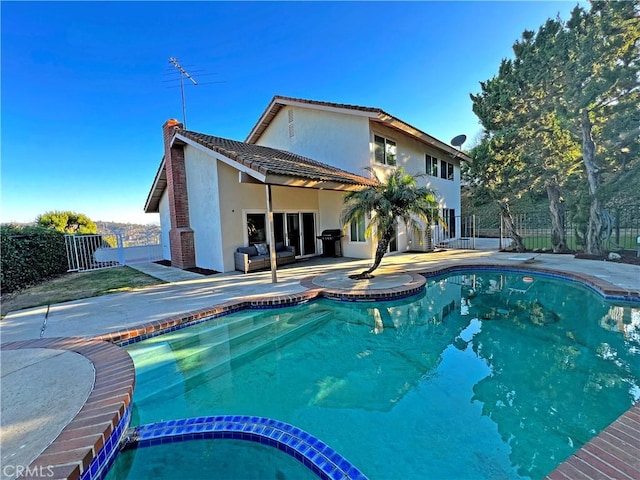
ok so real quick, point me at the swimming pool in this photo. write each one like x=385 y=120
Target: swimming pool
x=508 y=386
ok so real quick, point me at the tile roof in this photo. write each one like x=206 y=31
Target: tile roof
x=271 y=161
x=278 y=166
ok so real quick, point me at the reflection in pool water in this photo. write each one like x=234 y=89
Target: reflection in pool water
x=506 y=384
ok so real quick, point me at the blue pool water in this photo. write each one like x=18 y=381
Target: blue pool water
x=426 y=387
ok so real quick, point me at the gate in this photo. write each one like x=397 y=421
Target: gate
x=458 y=232
x=94 y=252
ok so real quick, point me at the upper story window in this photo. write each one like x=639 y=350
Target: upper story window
x=446 y=170
x=431 y=164
x=384 y=150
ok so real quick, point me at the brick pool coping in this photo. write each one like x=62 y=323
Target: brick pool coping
x=86 y=445
x=603 y=287
x=613 y=454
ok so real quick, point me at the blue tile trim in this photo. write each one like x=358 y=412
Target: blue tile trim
x=382 y=298
x=502 y=269
x=325 y=462
x=104 y=458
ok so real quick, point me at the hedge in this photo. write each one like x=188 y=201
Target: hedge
x=30 y=255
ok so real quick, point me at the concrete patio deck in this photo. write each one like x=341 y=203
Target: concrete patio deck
x=21 y=332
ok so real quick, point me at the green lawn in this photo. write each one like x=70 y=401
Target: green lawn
x=74 y=286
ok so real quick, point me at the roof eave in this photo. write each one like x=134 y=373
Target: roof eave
x=397 y=124
x=299 y=182
x=152 y=205
x=278 y=102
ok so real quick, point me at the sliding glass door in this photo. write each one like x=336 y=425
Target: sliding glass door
x=309 y=240
x=298 y=230
x=293 y=232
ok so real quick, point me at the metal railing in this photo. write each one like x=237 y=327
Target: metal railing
x=621 y=229
x=94 y=252
x=462 y=234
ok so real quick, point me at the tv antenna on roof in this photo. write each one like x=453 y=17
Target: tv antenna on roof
x=457 y=142
x=183 y=73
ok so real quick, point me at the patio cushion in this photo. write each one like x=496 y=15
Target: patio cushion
x=251 y=251
x=262 y=248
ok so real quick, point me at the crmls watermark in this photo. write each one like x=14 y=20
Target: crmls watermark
x=35 y=471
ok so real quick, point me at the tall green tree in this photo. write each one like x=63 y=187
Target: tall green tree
x=597 y=62
x=67 y=222
x=496 y=176
x=571 y=93
x=529 y=147
x=399 y=197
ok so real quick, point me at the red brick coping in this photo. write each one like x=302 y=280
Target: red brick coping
x=313 y=291
x=78 y=444
x=613 y=454
x=606 y=288
x=413 y=286
x=148 y=329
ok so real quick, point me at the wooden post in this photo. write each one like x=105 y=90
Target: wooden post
x=272 y=236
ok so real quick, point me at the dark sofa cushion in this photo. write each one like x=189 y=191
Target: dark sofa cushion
x=262 y=248
x=251 y=251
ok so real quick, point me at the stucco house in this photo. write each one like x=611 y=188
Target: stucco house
x=214 y=194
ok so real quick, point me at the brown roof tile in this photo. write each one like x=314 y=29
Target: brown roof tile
x=266 y=160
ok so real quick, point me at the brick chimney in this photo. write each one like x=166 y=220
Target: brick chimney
x=183 y=254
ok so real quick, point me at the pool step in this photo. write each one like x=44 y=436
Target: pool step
x=191 y=342
x=217 y=355
x=152 y=351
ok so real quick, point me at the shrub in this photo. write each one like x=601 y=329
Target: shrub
x=30 y=255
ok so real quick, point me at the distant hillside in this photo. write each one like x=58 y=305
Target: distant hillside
x=132 y=233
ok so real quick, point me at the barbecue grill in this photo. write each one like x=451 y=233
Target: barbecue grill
x=331 y=242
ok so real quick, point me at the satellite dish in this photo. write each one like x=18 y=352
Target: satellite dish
x=459 y=140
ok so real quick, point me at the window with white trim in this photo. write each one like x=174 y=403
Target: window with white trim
x=446 y=170
x=384 y=150
x=256 y=228
x=431 y=165
x=357 y=230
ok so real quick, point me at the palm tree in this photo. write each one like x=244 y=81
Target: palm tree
x=398 y=197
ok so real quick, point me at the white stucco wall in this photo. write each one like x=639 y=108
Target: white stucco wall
x=237 y=199
x=204 y=207
x=218 y=202
x=234 y=199
x=332 y=138
x=411 y=156
x=165 y=225
x=330 y=206
x=346 y=141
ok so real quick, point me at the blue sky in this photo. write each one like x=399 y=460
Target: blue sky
x=86 y=86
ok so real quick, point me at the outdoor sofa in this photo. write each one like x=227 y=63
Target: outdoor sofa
x=257 y=257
